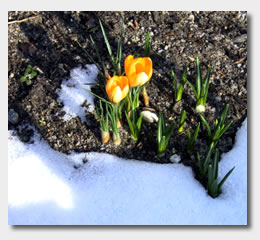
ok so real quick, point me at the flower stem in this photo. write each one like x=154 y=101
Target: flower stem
x=146 y=97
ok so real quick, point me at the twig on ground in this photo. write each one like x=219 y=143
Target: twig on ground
x=23 y=20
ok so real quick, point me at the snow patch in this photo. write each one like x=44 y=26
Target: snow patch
x=73 y=95
x=44 y=188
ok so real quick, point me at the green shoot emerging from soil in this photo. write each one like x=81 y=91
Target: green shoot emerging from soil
x=116 y=61
x=182 y=121
x=204 y=164
x=29 y=74
x=147 y=46
x=214 y=188
x=134 y=124
x=178 y=90
x=192 y=138
x=220 y=127
x=103 y=121
x=163 y=135
x=113 y=113
x=202 y=86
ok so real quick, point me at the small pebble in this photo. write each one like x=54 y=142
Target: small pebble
x=13 y=116
x=175 y=158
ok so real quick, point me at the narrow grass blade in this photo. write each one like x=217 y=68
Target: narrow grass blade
x=206 y=86
x=107 y=42
x=210 y=176
x=88 y=55
x=224 y=179
x=215 y=164
x=147 y=48
x=139 y=122
x=194 y=90
x=198 y=77
x=97 y=52
x=159 y=131
x=182 y=121
x=102 y=99
x=204 y=121
x=223 y=115
x=131 y=126
x=225 y=128
x=168 y=131
x=206 y=161
x=195 y=135
x=174 y=84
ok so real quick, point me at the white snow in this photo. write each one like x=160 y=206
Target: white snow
x=72 y=92
x=44 y=188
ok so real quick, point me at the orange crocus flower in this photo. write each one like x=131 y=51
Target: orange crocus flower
x=117 y=88
x=138 y=71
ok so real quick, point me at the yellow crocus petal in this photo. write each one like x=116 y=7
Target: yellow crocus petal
x=141 y=78
x=117 y=88
x=148 y=67
x=109 y=85
x=138 y=71
x=125 y=88
x=116 y=95
x=128 y=61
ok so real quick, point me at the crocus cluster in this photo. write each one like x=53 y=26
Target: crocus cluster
x=138 y=72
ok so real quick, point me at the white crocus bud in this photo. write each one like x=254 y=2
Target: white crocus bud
x=200 y=108
x=149 y=116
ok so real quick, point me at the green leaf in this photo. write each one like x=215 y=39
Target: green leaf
x=139 y=122
x=174 y=85
x=215 y=164
x=28 y=82
x=159 y=131
x=182 y=84
x=23 y=79
x=225 y=128
x=131 y=126
x=182 y=121
x=196 y=132
x=192 y=138
x=168 y=131
x=102 y=99
x=210 y=176
x=206 y=161
x=204 y=121
x=28 y=69
x=32 y=75
x=107 y=42
x=147 y=47
x=198 y=77
x=194 y=90
x=224 y=179
x=206 y=86
x=213 y=188
x=162 y=145
x=223 y=115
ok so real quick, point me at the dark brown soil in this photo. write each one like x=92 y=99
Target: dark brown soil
x=47 y=41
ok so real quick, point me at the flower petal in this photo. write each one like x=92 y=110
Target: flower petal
x=140 y=79
x=148 y=67
x=128 y=62
x=116 y=95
